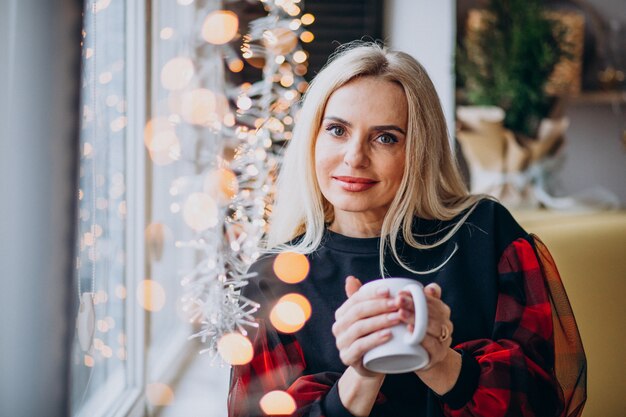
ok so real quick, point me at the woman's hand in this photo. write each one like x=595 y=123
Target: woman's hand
x=444 y=367
x=362 y=323
x=439 y=332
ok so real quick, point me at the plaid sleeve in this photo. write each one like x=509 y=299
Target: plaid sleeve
x=515 y=368
x=278 y=364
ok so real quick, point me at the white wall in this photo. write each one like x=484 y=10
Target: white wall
x=39 y=50
x=426 y=29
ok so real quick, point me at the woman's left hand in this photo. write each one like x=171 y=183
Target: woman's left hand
x=439 y=332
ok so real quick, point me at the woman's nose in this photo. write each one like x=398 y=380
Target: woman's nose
x=356 y=155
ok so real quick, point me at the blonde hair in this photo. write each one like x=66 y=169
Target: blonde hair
x=436 y=191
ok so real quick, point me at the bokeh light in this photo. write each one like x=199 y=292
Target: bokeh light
x=307 y=19
x=307 y=36
x=220 y=27
x=235 y=65
x=287 y=316
x=177 y=73
x=301 y=301
x=200 y=212
x=299 y=56
x=164 y=148
x=150 y=295
x=159 y=394
x=155 y=126
x=235 y=349
x=281 y=41
x=221 y=184
x=166 y=33
x=291 y=267
x=88 y=361
x=278 y=403
x=198 y=106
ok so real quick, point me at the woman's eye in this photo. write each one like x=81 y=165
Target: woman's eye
x=387 y=139
x=336 y=130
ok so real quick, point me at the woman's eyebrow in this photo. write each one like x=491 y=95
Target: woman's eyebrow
x=377 y=128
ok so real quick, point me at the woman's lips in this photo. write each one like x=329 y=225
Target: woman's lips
x=355 y=184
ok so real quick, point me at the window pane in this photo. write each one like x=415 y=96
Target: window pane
x=100 y=254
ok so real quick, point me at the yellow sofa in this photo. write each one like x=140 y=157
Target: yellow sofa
x=590 y=253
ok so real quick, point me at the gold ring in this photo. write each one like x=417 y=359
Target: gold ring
x=445 y=333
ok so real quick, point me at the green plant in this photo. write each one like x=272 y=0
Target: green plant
x=506 y=58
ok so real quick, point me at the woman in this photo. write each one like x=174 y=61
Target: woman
x=369 y=189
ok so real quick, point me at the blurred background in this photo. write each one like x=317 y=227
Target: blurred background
x=139 y=141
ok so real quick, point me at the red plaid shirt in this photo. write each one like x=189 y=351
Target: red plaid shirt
x=516 y=371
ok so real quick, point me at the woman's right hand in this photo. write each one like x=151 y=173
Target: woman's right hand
x=362 y=323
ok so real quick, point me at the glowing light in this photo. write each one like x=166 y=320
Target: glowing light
x=102 y=326
x=159 y=394
x=164 y=148
x=105 y=78
x=307 y=36
x=291 y=267
x=229 y=120
x=88 y=361
x=236 y=65
x=287 y=316
x=235 y=349
x=101 y=5
x=301 y=301
x=118 y=123
x=155 y=126
x=300 y=69
x=88 y=53
x=88 y=239
x=120 y=292
x=293 y=11
x=280 y=40
x=166 y=33
x=106 y=351
x=307 y=19
x=279 y=59
x=150 y=295
x=244 y=102
x=198 y=106
x=97 y=343
x=177 y=73
x=221 y=184
x=299 y=56
x=220 y=27
x=200 y=211
x=295 y=24
x=278 y=403
x=286 y=80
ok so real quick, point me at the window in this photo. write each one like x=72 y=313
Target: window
x=106 y=379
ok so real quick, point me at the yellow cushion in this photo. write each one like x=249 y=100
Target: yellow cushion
x=590 y=252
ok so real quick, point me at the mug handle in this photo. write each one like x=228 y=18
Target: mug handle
x=421 y=310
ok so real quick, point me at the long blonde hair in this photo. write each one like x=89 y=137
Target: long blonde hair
x=435 y=191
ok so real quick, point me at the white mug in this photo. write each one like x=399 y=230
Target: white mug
x=403 y=352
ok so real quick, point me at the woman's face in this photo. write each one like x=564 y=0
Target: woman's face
x=360 y=147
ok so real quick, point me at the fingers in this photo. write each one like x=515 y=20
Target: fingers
x=359 y=296
x=353 y=355
x=363 y=328
x=433 y=289
x=352 y=285
x=346 y=318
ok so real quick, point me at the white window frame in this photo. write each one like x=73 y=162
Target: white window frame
x=124 y=395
